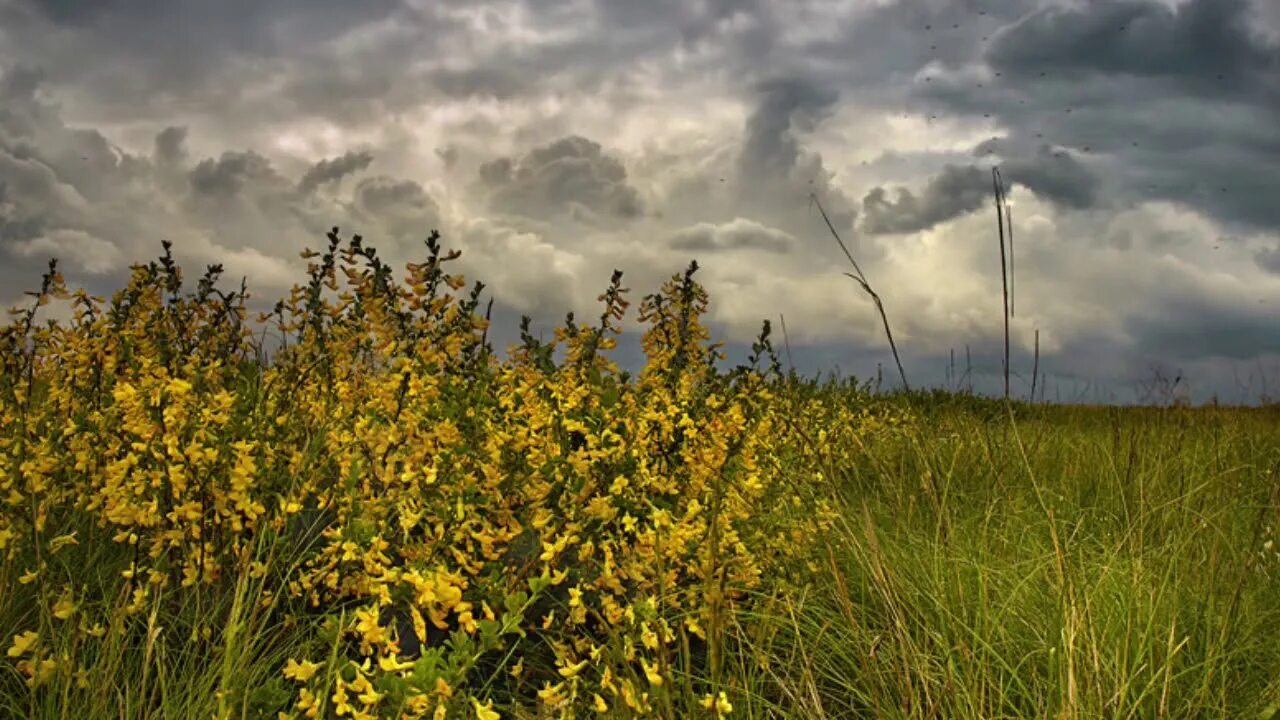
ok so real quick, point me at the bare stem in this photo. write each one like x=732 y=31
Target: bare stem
x=1035 y=369
x=786 y=341
x=998 y=185
x=862 y=280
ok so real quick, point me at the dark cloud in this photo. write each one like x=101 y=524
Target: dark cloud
x=31 y=130
x=171 y=146
x=1057 y=176
x=572 y=173
x=777 y=175
x=402 y=208
x=691 y=20
x=738 y=234
x=497 y=82
x=1268 y=259
x=228 y=176
x=1183 y=101
x=1206 y=44
x=786 y=106
x=70 y=193
x=953 y=192
x=448 y=154
x=334 y=169
x=21 y=114
x=1191 y=328
x=1095 y=108
x=150 y=52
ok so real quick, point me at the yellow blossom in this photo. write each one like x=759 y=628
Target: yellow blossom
x=550 y=694
x=64 y=608
x=720 y=703
x=570 y=671
x=388 y=663
x=300 y=671
x=486 y=711
x=23 y=643
x=651 y=673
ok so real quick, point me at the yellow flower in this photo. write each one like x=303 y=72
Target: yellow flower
x=598 y=704
x=341 y=706
x=442 y=689
x=22 y=643
x=371 y=631
x=486 y=711
x=300 y=671
x=417 y=705
x=42 y=671
x=369 y=697
x=651 y=672
x=550 y=694
x=64 y=608
x=719 y=703
x=388 y=663
x=570 y=671
x=307 y=703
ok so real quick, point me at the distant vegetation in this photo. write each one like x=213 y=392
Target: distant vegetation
x=384 y=520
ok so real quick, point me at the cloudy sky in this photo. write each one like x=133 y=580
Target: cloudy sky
x=554 y=140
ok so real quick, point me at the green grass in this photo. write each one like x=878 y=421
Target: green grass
x=1069 y=562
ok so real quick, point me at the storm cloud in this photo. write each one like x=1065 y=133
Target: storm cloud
x=554 y=140
x=955 y=191
x=570 y=175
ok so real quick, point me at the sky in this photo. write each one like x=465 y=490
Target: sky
x=552 y=141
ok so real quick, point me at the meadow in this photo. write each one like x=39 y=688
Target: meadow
x=381 y=519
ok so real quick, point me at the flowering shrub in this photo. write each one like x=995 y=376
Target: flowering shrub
x=439 y=533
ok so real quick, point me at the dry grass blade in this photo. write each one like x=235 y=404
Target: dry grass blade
x=1013 y=276
x=786 y=341
x=1035 y=368
x=861 y=279
x=997 y=184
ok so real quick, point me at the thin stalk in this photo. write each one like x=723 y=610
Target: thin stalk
x=968 y=366
x=1013 y=276
x=786 y=341
x=1035 y=368
x=997 y=186
x=862 y=280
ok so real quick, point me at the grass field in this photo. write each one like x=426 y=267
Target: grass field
x=387 y=521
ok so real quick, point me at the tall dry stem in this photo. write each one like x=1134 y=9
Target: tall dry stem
x=866 y=286
x=997 y=184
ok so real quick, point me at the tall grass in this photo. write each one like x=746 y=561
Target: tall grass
x=1060 y=563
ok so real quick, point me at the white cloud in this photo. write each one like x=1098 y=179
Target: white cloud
x=83 y=251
